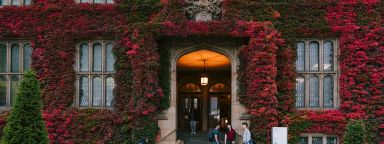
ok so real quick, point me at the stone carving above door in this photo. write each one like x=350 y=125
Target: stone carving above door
x=204 y=10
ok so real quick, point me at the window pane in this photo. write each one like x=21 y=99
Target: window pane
x=84 y=53
x=328 y=55
x=109 y=1
x=300 y=92
x=3 y=92
x=84 y=93
x=15 y=58
x=14 y=88
x=3 y=58
x=300 y=62
x=15 y=2
x=314 y=56
x=97 y=1
x=331 y=140
x=110 y=85
x=84 y=1
x=314 y=91
x=97 y=92
x=110 y=58
x=27 y=2
x=328 y=91
x=97 y=57
x=317 y=140
x=303 y=140
x=27 y=56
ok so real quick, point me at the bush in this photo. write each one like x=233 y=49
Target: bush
x=25 y=123
x=355 y=132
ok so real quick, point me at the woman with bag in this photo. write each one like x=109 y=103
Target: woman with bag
x=230 y=136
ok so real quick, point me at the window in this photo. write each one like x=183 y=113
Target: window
x=15 y=58
x=316 y=65
x=95 y=71
x=97 y=1
x=15 y=2
x=317 y=139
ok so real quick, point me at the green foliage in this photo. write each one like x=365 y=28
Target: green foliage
x=143 y=9
x=25 y=123
x=146 y=129
x=355 y=132
x=164 y=76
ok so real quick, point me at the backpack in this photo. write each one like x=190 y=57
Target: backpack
x=211 y=137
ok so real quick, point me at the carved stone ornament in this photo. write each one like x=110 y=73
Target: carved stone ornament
x=204 y=10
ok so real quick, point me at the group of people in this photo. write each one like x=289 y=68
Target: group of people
x=230 y=135
x=214 y=138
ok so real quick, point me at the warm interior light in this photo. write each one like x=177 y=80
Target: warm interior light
x=204 y=80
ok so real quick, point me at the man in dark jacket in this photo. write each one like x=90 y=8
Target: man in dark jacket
x=193 y=120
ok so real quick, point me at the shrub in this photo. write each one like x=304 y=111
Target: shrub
x=355 y=132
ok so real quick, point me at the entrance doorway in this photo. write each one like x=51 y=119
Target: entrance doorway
x=211 y=101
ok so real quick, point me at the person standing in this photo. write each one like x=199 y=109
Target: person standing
x=215 y=135
x=246 y=134
x=193 y=121
x=230 y=136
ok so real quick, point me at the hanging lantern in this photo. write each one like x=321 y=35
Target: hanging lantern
x=204 y=77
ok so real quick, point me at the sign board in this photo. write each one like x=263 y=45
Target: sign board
x=279 y=135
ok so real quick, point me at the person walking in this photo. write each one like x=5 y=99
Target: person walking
x=246 y=134
x=214 y=135
x=230 y=136
x=193 y=121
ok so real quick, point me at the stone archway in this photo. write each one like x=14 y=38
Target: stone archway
x=168 y=119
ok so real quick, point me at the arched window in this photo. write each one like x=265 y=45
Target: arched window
x=97 y=57
x=328 y=55
x=300 y=62
x=314 y=91
x=15 y=58
x=110 y=85
x=190 y=87
x=313 y=56
x=300 y=92
x=95 y=74
x=3 y=57
x=219 y=87
x=27 y=53
x=328 y=91
x=14 y=88
x=84 y=91
x=97 y=92
x=110 y=59
x=84 y=53
x=3 y=91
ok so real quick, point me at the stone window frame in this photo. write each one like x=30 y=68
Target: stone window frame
x=90 y=74
x=9 y=3
x=321 y=73
x=92 y=1
x=9 y=74
x=323 y=136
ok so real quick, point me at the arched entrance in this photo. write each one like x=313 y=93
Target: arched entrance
x=222 y=86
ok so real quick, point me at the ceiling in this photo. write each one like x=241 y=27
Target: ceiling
x=194 y=61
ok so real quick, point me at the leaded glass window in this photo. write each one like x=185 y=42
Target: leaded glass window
x=300 y=92
x=110 y=59
x=15 y=2
x=3 y=57
x=328 y=91
x=314 y=91
x=303 y=140
x=316 y=64
x=313 y=56
x=27 y=2
x=84 y=92
x=97 y=1
x=110 y=86
x=97 y=57
x=110 y=2
x=300 y=62
x=15 y=58
x=97 y=92
x=95 y=70
x=317 y=139
x=27 y=56
x=328 y=55
x=331 y=140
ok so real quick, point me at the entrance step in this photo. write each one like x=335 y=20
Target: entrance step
x=199 y=138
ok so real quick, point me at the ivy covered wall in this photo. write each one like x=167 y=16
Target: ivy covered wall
x=267 y=74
